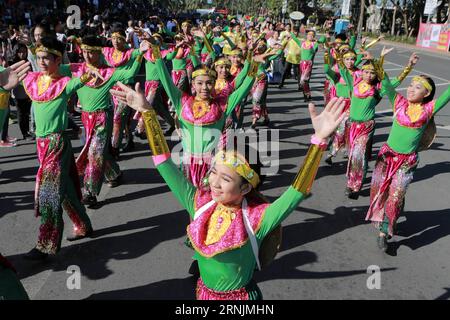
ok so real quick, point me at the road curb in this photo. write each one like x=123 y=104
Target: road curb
x=415 y=48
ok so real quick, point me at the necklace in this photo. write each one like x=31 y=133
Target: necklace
x=219 y=223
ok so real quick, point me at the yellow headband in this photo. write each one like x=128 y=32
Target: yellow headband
x=343 y=47
x=222 y=61
x=185 y=23
x=368 y=66
x=311 y=32
x=90 y=48
x=117 y=35
x=236 y=162
x=204 y=72
x=338 y=40
x=45 y=49
x=235 y=52
x=349 y=54
x=424 y=82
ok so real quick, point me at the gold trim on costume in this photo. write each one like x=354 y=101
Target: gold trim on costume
x=155 y=136
x=404 y=73
x=305 y=177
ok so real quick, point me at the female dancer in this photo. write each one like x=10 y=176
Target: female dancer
x=119 y=56
x=398 y=158
x=202 y=117
x=230 y=218
x=366 y=94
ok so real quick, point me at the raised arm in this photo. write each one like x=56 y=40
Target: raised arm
x=183 y=190
x=171 y=89
x=301 y=186
x=442 y=100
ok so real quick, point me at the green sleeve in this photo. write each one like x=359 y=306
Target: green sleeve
x=171 y=89
x=330 y=73
x=322 y=39
x=230 y=42
x=388 y=89
x=171 y=55
x=241 y=76
x=183 y=190
x=135 y=54
x=125 y=74
x=352 y=42
x=240 y=93
x=168 y=32
x=394 y=83
x=442 y=100
x=297 y=40
x=195 y=60
x=279 y=211
x=359 y=59
x=345 y=74
x=316 y=46
x=73 y=85
x=198 y=45
x=64 y=70
x=275 y=56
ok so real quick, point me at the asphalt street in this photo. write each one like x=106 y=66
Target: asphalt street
x=137 y=250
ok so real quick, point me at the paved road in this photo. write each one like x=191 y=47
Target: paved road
x=138 y=253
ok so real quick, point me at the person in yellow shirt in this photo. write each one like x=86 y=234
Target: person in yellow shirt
x=293 y=55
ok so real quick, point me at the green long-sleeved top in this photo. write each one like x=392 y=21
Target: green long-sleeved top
x=99 y=98
x=232 y=269
x=51 y=116
x=191 y=132
x=404 y=139
x=308 y=54
x=363 y=109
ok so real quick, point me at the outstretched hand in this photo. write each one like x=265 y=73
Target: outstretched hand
x=413 y=59
x=133 y=98
x=11 y=76
x=329 y=119
x=386 y=51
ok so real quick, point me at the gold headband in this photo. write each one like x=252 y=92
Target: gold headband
x=118 y=35
x=236 y=162
x=204 y=72
x=311 y=32
x=424 y=82
x=45 y=49
x=349 y=54
x=222 y=61
x=186 y=23
x=90 y=48
x=235 y=52
x=368 y=66
x=338 y=40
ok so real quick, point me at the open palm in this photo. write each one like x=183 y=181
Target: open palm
x=133 y=98
x=329 y=119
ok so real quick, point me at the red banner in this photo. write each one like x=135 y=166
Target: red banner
x=434 y=36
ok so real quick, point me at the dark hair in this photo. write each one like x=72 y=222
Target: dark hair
x=118 y=27
x=296 y=28
x=92 y=40
x=342 y=36
x=46 y=28
x=16 y=49
x=430 y=97
x=53 y=43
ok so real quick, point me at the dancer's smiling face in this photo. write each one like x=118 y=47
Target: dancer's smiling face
x=416 y=92
x=223 y=71
x=227 y=187
x=48 y=62
x=118 y=43
x=203 y=85
x=349 y=62
x=91 y=57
